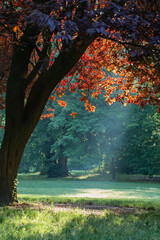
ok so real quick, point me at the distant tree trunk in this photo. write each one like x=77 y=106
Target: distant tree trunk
x=113 y=172
x=58 y=169
x=62 y=165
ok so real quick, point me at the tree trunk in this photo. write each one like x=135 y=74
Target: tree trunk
x=23 y=114
x=10 y=157
x=62 y=165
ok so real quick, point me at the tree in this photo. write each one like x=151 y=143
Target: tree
x=117 y=138
x=73 y=140
x=140 y=150
x=49 y=38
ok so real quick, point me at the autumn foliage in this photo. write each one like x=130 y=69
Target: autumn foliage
x=107 y=68
x=125 y=71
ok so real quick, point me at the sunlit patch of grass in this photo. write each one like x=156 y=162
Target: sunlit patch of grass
x=31 y=176
x=36 y=225
x=136 y=194
x=93 y=177
x=108 y=177
x=79 y=172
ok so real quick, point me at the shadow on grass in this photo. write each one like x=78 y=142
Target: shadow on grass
x=78 y=226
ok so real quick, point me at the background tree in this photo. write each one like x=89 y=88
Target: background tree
x=122 y=139
x=140 y=152
x=129 y=136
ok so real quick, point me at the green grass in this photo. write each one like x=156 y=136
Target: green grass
x=80 y=190
x=79 y=172
x=27 y=224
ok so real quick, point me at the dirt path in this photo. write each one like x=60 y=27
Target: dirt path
x=86 y=209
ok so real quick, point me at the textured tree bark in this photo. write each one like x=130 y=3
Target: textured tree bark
x=10 y=157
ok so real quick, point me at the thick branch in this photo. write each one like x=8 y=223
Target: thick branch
x=16 y=81
x=50 y=78
x=43 y=56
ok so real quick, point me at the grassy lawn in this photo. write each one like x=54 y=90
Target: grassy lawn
x=80 y=190
x=27 y=224
x=48 y=224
